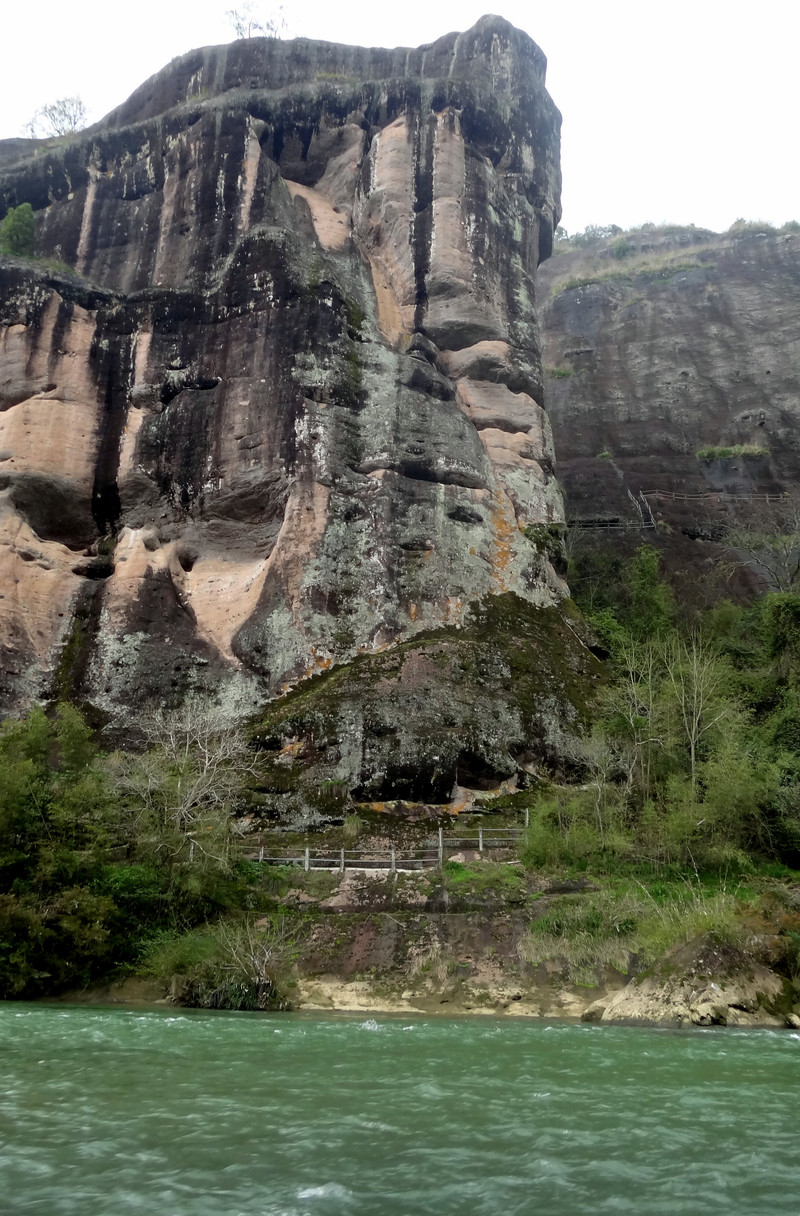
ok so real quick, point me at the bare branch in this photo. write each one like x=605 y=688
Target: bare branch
x=190 y=780
x=767 y=535
x=252 y=21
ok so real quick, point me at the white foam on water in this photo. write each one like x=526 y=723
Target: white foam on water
x=329 y=1190
x=370 y=1024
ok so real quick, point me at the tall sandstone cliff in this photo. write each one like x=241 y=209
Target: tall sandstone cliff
x=287 y=416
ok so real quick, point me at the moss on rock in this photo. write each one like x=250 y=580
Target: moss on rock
x=471 y=706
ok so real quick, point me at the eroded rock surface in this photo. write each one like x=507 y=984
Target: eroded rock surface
x=290 y=409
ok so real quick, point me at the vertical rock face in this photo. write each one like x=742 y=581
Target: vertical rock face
x=289 y=410
x=690 y=343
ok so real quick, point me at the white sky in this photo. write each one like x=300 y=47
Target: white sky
x=684 y=112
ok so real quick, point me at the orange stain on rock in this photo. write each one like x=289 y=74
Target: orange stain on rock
x=319 y=662
x=504 y=526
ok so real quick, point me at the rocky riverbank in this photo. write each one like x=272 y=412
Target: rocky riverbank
x=477 y=939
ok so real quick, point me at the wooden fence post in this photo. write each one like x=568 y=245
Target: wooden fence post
x=307 y=859
x=527 y=816
x=191 y=850
x=261 y=853
x=480 y=840
x=341 y=863
x=394 y=866
x=441 y=848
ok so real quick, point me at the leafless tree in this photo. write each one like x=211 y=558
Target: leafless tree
x=605 y=760
x=637 y=699
x=252 y=21
x=699 y=680
x=255 y=952
x=60 y=117
x=187 y=783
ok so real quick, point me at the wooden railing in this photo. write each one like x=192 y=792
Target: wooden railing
x=646 y=520
x=430 y=854
x=711 y=495
x=611 y=521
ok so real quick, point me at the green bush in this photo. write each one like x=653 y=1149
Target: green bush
x=652 y=603
x=548 y=539
x=18 y=231
x=622 y=248
x=237 y=963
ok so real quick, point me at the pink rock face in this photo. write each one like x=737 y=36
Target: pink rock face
x=290 y=410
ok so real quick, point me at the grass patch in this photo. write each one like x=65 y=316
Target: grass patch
x=746 y=450
x=627 y=266
x=591 y=934
x=485 y=878
x=351 y=828
x=56 y=266
x=743 y=227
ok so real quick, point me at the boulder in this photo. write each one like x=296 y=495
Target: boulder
x=706 y=982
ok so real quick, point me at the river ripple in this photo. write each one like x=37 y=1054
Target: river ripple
x=111 y=1112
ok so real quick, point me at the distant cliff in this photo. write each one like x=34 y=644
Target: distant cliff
x=664 y=344
x=288 y=411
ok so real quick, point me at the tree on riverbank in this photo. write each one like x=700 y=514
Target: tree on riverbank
x=95 y=849
x=702 y=716
x=182 y=791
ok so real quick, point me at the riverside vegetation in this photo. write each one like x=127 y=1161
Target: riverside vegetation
x=678 y=814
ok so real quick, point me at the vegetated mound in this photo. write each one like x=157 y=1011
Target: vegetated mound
x=474 y=706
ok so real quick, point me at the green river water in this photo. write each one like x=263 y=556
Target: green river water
x=111 y=1112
